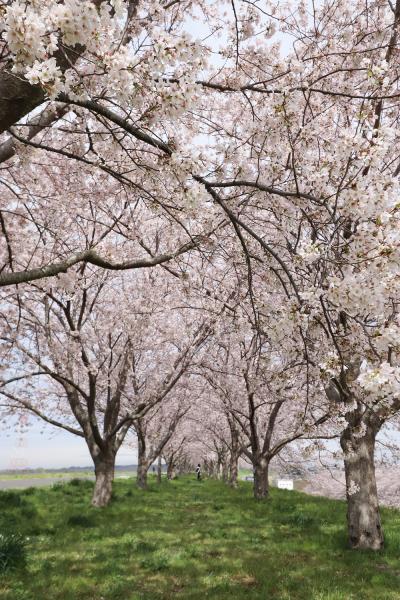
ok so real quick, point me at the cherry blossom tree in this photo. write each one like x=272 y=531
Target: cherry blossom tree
x=154 y=431
x=310 y=183
x=74 y=360
x=175 y=452
x=70 y=365
x=220 y=437
x=262 y=392
x=137 y=61
x=283 y=153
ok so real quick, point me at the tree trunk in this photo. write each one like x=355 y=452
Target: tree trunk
x=104 y=473
x=261 y=484
x=159 y=470
x=225 y=471
x=143 y=463
x=363 y=517
x=218 y=469
x=171 y=470
x=233 y=470
x=141 y=477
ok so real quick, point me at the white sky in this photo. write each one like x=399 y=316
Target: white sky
x=44 y=446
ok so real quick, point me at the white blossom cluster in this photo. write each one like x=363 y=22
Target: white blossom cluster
x=309 y=252
x=380 y=382
x=39 y=34
x=353 y=488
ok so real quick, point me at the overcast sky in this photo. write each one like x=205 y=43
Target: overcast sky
x=43 y=446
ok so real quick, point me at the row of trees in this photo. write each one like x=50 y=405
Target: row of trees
x=203 y=232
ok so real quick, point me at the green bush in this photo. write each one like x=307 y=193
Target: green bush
x=81 y=483
x=12 y=551
x=28 y=512
x=11 y=499
x=56 y=487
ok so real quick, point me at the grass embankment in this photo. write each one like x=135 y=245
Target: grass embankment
x=46 y=475
x=58 y=475
x=188 y=540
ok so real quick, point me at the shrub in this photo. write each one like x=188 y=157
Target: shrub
x=82 y=483
x=11 y=499
x=57 y=486
x=12 y=551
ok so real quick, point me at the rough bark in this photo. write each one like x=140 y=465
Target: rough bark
x=17 y=99
x=141 y=477
x=225 y=471
x=218 y=468
x=36 y=125
x=234 y=455
x=363 y=516
x=159 y=470
x=233 y=470
x=104 y=473
x=261 y=484
x=171 y=473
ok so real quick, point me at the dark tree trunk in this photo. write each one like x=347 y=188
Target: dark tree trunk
x=17 y=98
x=104 y=472
x=261 y=484
x=218 y=469
x=143 y=463
x=159 y=470
x=233 y=469
x=141 y=477
x=225 y=471
x=171 y=470
x=363 y=517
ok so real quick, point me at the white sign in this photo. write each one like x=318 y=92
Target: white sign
x=285 y=484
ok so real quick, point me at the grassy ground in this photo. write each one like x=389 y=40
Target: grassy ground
x=56 y=474
x=45 y=475
x=187 y=540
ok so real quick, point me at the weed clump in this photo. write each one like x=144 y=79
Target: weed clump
x=10 y=499
x=81 y=521
x=155 y=562
x=12 y=551
x=80 y=483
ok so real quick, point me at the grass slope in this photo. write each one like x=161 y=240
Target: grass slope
x=188 y=540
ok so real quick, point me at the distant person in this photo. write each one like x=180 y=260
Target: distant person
x=154 y=469
x=198 y=472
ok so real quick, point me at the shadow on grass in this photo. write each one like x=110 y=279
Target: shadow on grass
x=191 y=541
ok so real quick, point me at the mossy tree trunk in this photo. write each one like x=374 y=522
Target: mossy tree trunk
x=104 y=466
x=261 y=483
x=363 y=516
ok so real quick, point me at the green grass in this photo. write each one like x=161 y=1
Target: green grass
x=45 y=475
x=187 y=540
x=57 y=475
